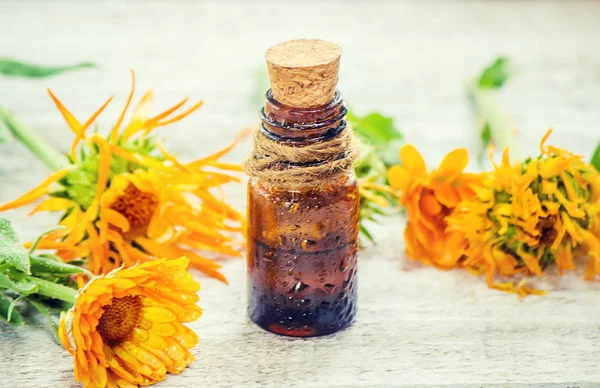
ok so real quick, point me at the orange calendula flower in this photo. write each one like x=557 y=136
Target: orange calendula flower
x=530 y=215
x=126 y=199
x=429 y=198
x=126 y=328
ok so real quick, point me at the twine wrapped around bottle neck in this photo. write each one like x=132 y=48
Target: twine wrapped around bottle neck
x=301 y=167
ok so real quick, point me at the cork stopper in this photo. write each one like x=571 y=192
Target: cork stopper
x=304 y=72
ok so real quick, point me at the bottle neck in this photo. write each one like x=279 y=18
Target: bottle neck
x=289 y=124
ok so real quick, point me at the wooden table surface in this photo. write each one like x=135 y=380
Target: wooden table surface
x=410 y=60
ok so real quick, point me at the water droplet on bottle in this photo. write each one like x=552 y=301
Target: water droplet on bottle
x=318 y=230
x=329 y=287
x=306 y=244
x=268 y=256
x=299 y=287
x=282 y=240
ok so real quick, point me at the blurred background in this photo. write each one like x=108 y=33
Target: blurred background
x=410 y=60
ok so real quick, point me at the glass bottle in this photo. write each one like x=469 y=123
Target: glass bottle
x=303 y=243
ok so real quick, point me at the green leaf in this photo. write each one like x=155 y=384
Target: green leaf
x=486 y=140
x=5 y=134
x=5 y=306
x=377 y=210
x=11 y=250
x=486 y=135
x=482 y=93
x=50 y=264
x=14 y=68
x=22 y=284
x=54 y=290
x=45 y=152
x=365 y=232
x=374 y=127
x=496 y=74
x=11 y=308
x=596 y=158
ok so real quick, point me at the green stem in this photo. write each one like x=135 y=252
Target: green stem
x=55 y=290
x=596 y=158
x=32 y=140
x=486 y=108
x=40 y=237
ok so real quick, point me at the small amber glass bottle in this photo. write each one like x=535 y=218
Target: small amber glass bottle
x=302 y=241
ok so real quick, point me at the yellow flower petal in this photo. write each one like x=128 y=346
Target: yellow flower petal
x=38 y=191
x=446 y=194
x=72 y=122
x=155 y=341
x=114 y=133
x=175 y=350
x=120 y=340
x=429 y=205
x=77 y=128
x=186 y=337
x=73 y=219
x=105 y=158
x=543 y=141
x=62 y=334
x=182 y=115
x=164 y=329
x=159 y=314
x=139 y=116
x=412 y=160
x=53 y=204
x=115 y=218
x=399 y=177
x=454 y=162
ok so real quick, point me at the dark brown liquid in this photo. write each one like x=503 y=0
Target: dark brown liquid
x=302 y=259
x=302 y=245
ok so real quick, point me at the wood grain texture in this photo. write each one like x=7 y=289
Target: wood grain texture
x=415 y=325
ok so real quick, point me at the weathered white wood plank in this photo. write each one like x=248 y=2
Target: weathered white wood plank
x=408 y=59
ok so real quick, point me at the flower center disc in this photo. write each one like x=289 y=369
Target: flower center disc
x=119 y=319
x=138 y=207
